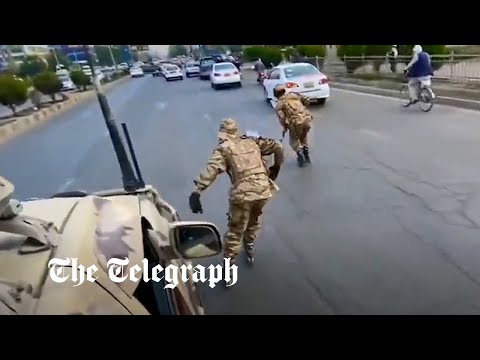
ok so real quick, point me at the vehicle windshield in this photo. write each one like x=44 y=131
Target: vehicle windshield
x=207 y=62
x=172 y=68
x=64 y=78
x=192 y=65
x=301 y=70
x=220 y=67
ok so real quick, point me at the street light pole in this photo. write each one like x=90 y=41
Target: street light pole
x=113 y=58
x=130 y=182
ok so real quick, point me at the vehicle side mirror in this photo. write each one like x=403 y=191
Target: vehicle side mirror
x=195 y=239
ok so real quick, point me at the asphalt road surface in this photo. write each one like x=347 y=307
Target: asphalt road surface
x=385 y=221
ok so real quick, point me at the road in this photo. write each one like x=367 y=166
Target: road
x=385 y=221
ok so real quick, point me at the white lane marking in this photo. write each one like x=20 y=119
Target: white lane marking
x=160 y=105
x=392 y=98
x=66 y=185
x=375 y=134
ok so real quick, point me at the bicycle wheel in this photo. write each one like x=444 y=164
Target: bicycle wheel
x=404 y=96
x=426 y=99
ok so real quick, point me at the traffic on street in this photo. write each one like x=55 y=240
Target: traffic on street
x=386 y=220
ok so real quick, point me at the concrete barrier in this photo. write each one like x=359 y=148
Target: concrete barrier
x=22 y=124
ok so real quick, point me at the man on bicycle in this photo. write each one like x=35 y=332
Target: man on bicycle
x=419 y=71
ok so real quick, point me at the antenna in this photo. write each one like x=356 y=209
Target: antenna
x=130 y=182
x=132 y=154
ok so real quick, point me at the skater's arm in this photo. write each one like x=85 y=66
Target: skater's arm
x=305 y=100
x=215 y=166
x=269 y=147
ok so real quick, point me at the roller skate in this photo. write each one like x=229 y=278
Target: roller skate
x=300 y=159
x=249 y=252
x=306 y=155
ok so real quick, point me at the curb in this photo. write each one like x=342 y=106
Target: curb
x=444 y=100
x=22 y=124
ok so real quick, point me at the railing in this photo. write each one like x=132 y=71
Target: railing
x=453 y=68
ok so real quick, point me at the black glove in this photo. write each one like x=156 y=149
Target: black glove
x=273 y=172
x=195 y=204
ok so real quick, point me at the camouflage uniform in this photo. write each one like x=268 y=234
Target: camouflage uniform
x=241 y=158
x=294 y=117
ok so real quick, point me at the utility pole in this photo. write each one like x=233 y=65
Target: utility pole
x=129 y=179
x=113 y=58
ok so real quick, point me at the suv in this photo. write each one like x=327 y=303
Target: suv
x=206 y=64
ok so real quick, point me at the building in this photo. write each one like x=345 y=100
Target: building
x=18 y=52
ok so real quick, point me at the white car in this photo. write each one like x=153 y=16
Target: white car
x=192 y=69
x=172 y=72
x=225 y=73
x=122 y=66
x=302 y=78
x=136 y=72
x=67 y=83
x=87 y=70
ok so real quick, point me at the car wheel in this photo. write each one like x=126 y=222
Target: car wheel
x=321 y=101
x=239 y=84
x=215 y=86
x=188 y=75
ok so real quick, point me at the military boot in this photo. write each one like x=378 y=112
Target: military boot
x=249 y=252
x=306 y=155
x=300 y=158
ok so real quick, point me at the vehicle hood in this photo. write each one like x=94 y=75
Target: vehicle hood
x=91 y=229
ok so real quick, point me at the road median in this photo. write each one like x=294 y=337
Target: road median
x=447 y=94
x=19 y=125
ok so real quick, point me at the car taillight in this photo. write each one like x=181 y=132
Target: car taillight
x=235 y=73
x=217 y=74
x=290 y=85
x=323 y=81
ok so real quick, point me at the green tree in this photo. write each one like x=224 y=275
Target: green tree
x=234 y=48
x=80 y=79
x=47 y=83
x=177 y=50
x=33 y=65
x=378 y=54
x=13 y=92
x=311 y=50
x=62 y=59
x=351 y=50
x=103 y=55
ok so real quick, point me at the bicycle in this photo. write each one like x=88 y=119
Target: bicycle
x=426 y=97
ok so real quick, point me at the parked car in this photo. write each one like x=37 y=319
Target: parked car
x=136 y=72
x=67 y=83
x=225 y=74
x=192 y=69
x=302 y=78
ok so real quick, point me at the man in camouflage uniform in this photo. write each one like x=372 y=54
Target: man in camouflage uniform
x=241 y=157
x=296 y=119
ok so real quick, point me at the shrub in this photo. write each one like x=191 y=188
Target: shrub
x=311 y=50
x=351 y=50
x=375 y=51
x=266 y=53
x=33 y=65
x=48 y=83
x=254 y=52
x=13 y=92
x=80 y=79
